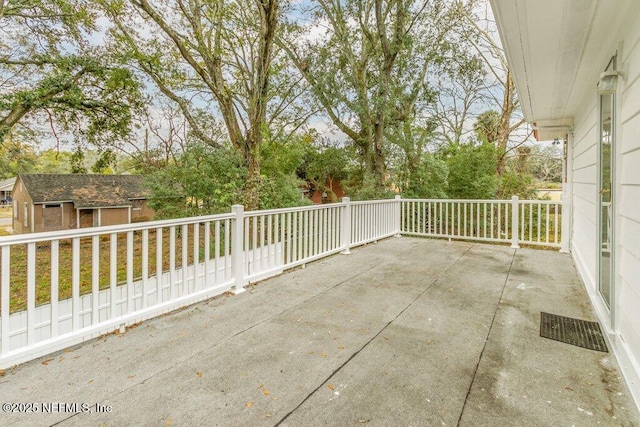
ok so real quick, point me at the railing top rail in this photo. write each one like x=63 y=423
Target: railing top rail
x=98 y=231
x=542 y=202
x=374 y=202
x=293 y=209
x=458 y=200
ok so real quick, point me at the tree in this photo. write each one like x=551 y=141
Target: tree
x=325 y=164
x=495 y=62
x=472 y=171
x=204 y=180
x=50 y=73
x=208 y=54
x=368 y=71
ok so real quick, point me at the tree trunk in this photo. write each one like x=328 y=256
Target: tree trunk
x=253 y=181
x=504 y=129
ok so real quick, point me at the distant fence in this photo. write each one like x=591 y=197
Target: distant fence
x=61 y=288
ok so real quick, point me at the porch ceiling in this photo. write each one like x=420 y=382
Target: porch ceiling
x=556 y=50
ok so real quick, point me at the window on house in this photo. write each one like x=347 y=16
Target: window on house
x=15 y=210
x=26 y=215
x=137 y=204
x=52 y=216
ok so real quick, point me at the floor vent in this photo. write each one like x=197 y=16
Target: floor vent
x=572 y=331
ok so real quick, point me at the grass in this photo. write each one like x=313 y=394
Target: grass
x=5 y=212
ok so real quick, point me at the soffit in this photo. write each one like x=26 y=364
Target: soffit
x=556 y=50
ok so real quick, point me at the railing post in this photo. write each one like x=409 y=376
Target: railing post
x=398 y=213
x=565 y=222
x=346 y=226
x=515 y=222
x=237 y=252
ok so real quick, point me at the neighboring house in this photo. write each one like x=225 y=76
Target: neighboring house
x=50 y=202
x=6 y=187
x=318 y=196
x=576 y=66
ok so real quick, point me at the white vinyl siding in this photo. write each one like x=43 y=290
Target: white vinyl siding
x=584 y=174
x=628 y=287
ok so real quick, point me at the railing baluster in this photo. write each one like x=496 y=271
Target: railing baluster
x=95 y=278
x=159 y=265
x=55 y=286
x=75 y=283
x=184 y=288
x=5 y=307
x=31 y=292
x=207 y=255
x=172 y=261
x=216 y=252
x=227 y=249
x=113 y=272
x=196 y=256
x=145 y=268
x=130 y=290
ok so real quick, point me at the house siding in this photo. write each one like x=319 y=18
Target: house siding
x=20 y=197
x=584 y=192
x=584 y=175
x=628 y=281
x=113 y=216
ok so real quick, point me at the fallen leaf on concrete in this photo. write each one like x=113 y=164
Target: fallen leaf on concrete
x=363 y=421
x=1 y=372
x=199 y=374
x=169 y=422
x=341 y=348
x=46 y=362
x=260 y=386
x=324 y=354
x=265 y=392
x=248 y=404
x=385 y=338
x=331 y=387
x=131 y=376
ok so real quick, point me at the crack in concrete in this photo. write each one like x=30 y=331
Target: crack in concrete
x=486 y=339
x=339 y=368
x=225 y=339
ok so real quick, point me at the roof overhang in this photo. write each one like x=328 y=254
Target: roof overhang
x=556 y=50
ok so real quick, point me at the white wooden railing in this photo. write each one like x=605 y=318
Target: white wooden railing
x=538 y=221
x=61 y=288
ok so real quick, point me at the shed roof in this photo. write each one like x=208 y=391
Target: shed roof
x=85 y=191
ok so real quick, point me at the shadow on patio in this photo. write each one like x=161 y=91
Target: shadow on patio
x=408 y=331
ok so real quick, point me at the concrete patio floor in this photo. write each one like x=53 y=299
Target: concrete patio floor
x=403 y=332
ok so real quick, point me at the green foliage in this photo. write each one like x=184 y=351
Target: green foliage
x=52 y=72
x=487 y=127
x=280 y=186
x=324 y=164
x=516 y=184
x=205 y=180
x=428 y=180
x=16 y=158
x=77 y=161
x=472 y=171
x=362 y=187
x=106 y=159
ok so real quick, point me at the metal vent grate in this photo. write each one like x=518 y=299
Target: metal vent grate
x=572 y=331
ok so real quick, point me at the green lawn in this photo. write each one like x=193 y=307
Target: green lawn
x=5 y=211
